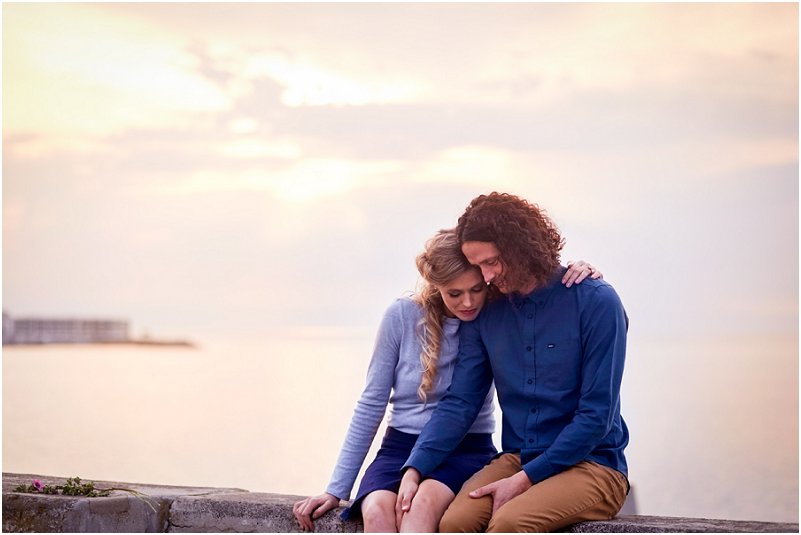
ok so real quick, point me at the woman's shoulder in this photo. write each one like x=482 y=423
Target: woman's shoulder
x=404 y=306
x=401 y=316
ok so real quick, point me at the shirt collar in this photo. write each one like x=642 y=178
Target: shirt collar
x=539 y=295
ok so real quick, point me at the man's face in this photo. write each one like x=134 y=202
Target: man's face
x=487 y=257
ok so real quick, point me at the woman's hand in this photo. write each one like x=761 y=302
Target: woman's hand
x=313 y=508
x=408 y=488
x=578 y=271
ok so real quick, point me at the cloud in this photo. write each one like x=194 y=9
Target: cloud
x=540 y=76
x=78 y=71
x=312 y=85
x=302 y=180
x=219 y=198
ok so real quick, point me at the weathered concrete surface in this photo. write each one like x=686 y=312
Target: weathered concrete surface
x=120 y=512
x=666 y=524
x=215 y=510
x=248 y=512
x=64 y=514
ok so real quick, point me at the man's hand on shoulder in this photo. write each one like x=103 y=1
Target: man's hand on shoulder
x=504 y=490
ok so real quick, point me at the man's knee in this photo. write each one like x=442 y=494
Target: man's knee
x=451 y=523
x=504 y=522
x=511 y=523
x=460 y=520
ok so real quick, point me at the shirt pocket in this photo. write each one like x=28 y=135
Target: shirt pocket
x=559 y=364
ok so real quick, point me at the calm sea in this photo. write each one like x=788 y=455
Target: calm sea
x=714 y=424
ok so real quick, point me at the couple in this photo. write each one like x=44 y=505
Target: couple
x=555 y=353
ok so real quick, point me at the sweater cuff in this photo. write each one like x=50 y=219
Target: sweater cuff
x=338 y=493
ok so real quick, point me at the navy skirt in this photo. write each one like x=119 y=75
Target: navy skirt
x=384 y=473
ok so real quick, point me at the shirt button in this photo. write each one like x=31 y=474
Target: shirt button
x=528 y=348
x=533 y=410
x=531 y=316
x=531 y=381
x=531 y=441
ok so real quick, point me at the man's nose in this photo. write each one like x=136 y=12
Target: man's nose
x=487 y=274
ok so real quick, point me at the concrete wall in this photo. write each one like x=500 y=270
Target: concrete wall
x=215 y=510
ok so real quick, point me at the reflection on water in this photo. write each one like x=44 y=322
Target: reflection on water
x=714 y=426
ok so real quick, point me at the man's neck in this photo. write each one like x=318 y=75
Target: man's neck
x=529 y=287
x=533 y=285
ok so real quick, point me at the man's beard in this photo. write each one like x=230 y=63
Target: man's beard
x=501 y=285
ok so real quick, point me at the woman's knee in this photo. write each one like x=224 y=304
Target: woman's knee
x=430 y=502
x=378 y=507
x=420 y=519
x=430 y=499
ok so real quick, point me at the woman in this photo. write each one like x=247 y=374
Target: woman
x=411 y=368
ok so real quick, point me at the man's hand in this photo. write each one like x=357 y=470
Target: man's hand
x=313 y=507
x=504 y=490
x=408 y=488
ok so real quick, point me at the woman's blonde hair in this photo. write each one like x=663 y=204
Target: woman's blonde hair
x=440 y=262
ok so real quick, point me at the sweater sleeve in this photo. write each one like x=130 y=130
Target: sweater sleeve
x=372 y=405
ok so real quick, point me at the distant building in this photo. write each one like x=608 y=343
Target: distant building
x=8 y=328
x=55 y=331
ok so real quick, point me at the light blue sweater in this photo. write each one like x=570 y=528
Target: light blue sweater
x=393 y=377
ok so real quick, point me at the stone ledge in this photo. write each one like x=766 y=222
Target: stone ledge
x=216 y=510
x=667 y=524
x=249 y=512
x=119 y=513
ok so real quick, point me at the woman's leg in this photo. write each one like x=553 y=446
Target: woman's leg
x=378 y=512
x=428 y=506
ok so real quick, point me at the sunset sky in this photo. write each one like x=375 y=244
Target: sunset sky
x=203 y=168
x=256 y=171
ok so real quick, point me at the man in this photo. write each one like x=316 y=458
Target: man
x=556 y=355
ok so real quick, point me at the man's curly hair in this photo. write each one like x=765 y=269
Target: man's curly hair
x=528 y=241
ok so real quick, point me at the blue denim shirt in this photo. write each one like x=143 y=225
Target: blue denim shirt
x=556 y=356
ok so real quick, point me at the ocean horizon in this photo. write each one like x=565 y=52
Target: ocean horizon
x=714 y=426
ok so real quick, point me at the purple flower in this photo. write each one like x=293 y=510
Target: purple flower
x=38 y=485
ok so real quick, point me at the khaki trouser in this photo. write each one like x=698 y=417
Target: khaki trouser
x=586 y=491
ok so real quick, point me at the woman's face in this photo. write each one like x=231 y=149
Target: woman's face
x=464 y=295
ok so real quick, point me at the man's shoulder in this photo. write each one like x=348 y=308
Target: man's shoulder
x=596 y=292
x=592 y=285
